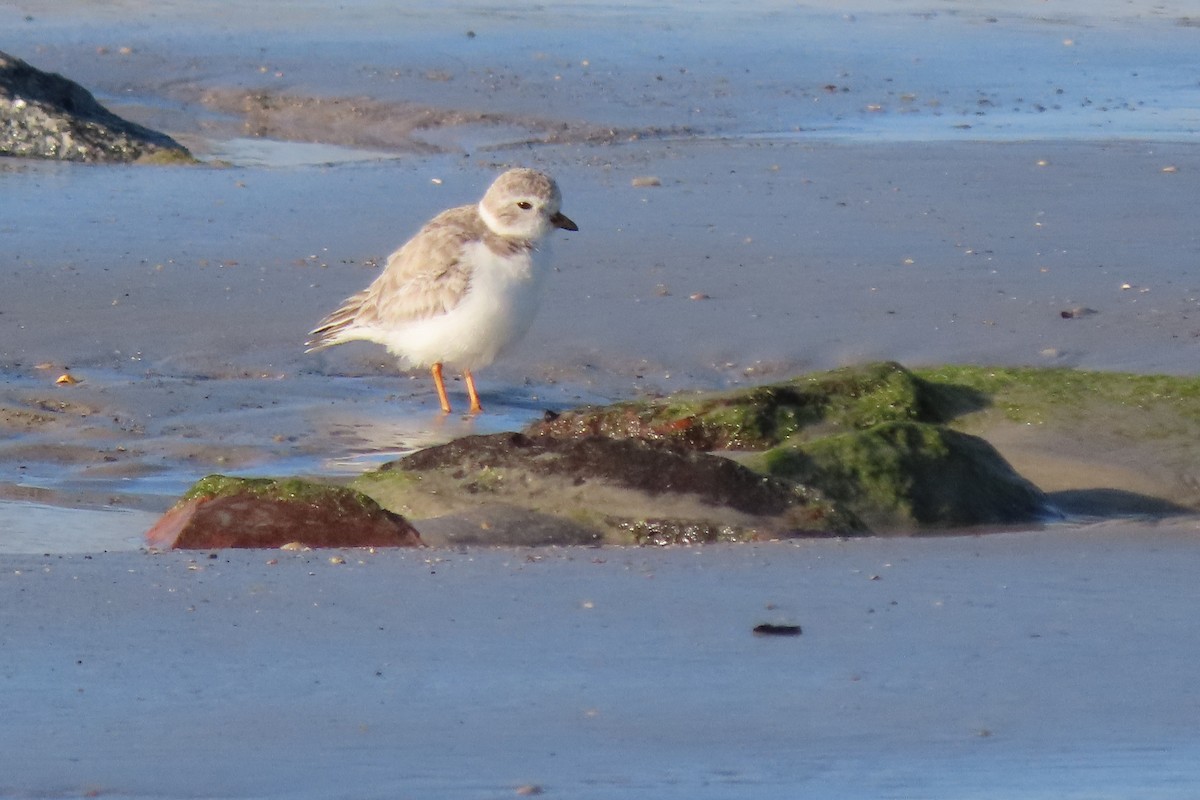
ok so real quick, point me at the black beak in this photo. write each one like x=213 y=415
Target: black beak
x=561 y=220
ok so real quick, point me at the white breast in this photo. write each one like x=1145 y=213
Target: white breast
x=493 y=316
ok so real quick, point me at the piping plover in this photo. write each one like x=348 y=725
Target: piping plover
x=464 y=289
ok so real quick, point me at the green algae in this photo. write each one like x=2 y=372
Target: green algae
x=295 y=490
x=1037 y=395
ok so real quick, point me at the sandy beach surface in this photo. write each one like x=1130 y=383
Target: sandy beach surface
x=834 y=183
x=1011 y=665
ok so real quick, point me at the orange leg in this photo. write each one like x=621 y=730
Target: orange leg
x=475 y=407
x=441 y=388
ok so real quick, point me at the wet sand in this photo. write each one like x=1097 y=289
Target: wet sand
x=1012 y=665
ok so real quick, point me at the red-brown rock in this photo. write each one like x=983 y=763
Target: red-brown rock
x=222 y=512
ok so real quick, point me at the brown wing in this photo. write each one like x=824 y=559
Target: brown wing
x=423 y=278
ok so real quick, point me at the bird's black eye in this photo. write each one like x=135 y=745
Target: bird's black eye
x=525 y=205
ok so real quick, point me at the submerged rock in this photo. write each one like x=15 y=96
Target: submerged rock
x=220 y=512
x=44 y=115
x=617 y=491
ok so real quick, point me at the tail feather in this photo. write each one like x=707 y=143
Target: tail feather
x=333 y=328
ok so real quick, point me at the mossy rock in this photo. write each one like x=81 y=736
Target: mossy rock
x=903 y=476
x=220 y=511
x=851 y=398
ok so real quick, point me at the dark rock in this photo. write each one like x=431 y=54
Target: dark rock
x=220 y=512
x=644 y=466
x=44 y=115
x=906 y=475
x=622 y=491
